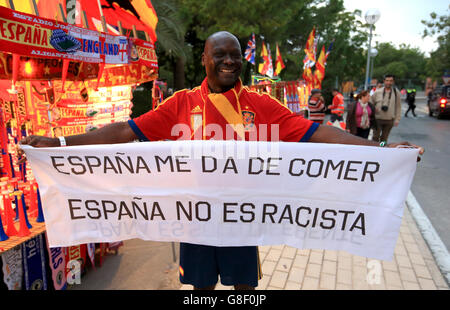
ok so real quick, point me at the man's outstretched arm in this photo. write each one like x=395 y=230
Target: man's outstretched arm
x=331 y=134
x=110 y=134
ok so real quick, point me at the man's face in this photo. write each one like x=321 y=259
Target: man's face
x=388 y=82
x=317 y=95
x=222 y=60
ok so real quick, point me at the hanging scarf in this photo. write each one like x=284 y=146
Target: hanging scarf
x=223 y=108
x=34 y=261
x=57 y=265
x=12 y=268
x=365 y=122
x=91 y=253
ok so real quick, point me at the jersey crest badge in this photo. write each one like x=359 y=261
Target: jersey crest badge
x=248 y=119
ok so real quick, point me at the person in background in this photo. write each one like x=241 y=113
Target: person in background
x=379 y=85
x=411 y=100
x=388 y=108
x=316 y=106
x=337 y=106
x=361 y=116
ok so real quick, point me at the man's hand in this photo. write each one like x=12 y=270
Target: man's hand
x=40 y=141
x=396 y=123
x=35 y=141
x=407 y=144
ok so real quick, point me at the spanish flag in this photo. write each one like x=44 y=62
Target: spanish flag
x=319 y=74
x=263 y=68
x=44 y=8
x=308 y=76
x=310 y=59
x=147 y=14
x=279 y=64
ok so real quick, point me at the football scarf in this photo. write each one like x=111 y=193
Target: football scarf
x=91 y=253
x=57 y=262
x=12 y=268
x=225 y=109
x=34 y=264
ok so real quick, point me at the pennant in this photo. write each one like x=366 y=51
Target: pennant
x=251 y=50
x=57 y=263
x=34 y=264
x=279 y=64
x=12 y=268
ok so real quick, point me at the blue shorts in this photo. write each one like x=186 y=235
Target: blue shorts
x=200 y=265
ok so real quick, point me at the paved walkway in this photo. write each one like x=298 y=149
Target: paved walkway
x=413 y=267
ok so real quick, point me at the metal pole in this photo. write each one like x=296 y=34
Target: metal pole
x=371 y=70
x=105 y=29
x=368 y=60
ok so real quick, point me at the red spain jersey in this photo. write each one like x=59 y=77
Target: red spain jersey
x=198 y=114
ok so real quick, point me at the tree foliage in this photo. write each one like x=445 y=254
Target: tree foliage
x=282 y=22
x=287 y=23
x=439 y=62
x=406 y=63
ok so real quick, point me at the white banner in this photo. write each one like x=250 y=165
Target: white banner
x=226 y=193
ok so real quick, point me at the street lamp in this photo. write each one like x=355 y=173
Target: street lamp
x=371 y=17
x=373 y=53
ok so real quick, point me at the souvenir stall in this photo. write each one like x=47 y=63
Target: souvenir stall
x=294 y=94
x=55 y=79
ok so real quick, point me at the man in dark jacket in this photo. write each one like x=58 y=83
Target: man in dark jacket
x=411 y=100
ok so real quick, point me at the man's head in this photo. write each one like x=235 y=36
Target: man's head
x=222 y=59
x=379 y=85
x=389 y=80
x=316 y=93
x=334 y=91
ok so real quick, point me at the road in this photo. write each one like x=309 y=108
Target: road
x=431 y=185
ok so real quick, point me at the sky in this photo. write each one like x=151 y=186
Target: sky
x=400 y=20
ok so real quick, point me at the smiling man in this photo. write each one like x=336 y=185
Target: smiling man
x=222 y=60
x=206 y=112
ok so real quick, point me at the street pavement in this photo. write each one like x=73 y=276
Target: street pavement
x=139 y=265
x=431 y=181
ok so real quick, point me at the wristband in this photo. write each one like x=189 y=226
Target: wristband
x=62 y=141
x=383 y=143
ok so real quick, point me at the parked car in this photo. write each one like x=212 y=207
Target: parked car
x=439 y=101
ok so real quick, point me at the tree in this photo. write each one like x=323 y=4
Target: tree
x=240 y=17
x=439 y=61
x=170 y=46
x=287 y=23
x=406 y=63
x=171 y=51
